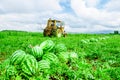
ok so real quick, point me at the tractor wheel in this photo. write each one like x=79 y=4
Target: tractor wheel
x=47 y=32
x=58 y=33
x=44 y=33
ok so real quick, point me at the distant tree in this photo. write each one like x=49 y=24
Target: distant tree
x=116 y=32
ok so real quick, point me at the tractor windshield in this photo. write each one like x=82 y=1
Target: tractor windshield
x=58 y=24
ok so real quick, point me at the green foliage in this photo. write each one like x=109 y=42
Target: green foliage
x=80 y=57
x=4 y=64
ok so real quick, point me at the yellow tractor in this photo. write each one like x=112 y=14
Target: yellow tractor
x=54 y=28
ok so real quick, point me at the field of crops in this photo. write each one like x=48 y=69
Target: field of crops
x=75 y=57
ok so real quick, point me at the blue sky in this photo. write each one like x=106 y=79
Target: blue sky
x=66 y=6
x=102 y=3
x=83 y=16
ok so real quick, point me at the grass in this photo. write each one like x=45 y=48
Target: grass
x=97 y=59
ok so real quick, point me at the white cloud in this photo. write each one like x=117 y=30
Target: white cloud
x=95 y=16
x=26 y=6
x=83 y=11
x=113 y=5
x=27 y=15
x=17 y=6
x=32 y=15
x=18 y=26
x=48 y=5
x=92 y=3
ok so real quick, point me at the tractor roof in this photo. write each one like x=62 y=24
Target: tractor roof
x=55 y=20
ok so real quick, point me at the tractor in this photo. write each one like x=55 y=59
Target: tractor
x=54 y=28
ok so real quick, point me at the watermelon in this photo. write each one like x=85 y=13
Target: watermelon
x=10 y=71
x=44 y=64
x=93 y=40
x=63 y=57
x=84 y=41
x=87 y=40
x=51 y=57
x=4 y=65
x=17 y=57
x=30 y=65
x=47 y=45
x=73 y=55
x=37 y=52
x=60 y=48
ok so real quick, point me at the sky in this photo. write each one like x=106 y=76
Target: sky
x=79 y=16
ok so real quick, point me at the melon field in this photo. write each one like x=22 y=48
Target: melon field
x=30 y=56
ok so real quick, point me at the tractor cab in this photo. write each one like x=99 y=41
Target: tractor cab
x=54 y=24
x=54 y=28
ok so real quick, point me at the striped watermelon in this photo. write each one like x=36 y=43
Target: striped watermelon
x=30 y=65
x=37 y=52
x=63 y=56
x=60 y=48
x=93 y=40
x=51 y=57
x=44 y=64
x=17 y=57
x=47 y=45
x=10 y=71
x=85 y=41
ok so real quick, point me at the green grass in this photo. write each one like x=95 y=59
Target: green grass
x=97 y=60
x=11 y=41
